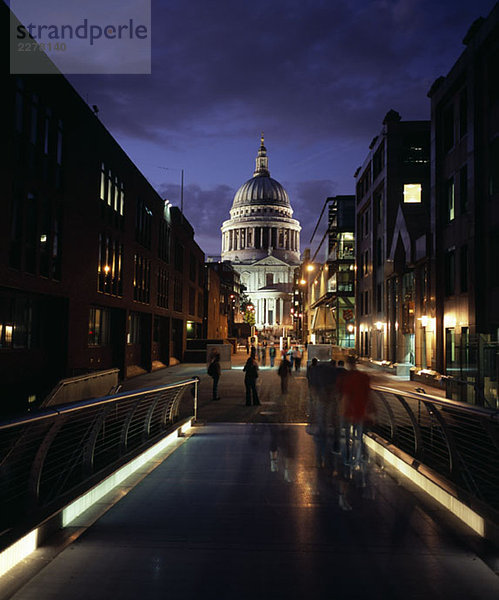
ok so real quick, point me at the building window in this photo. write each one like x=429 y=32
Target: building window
x=143 y=223
x=378 y=160
x=450 y=347
x=177 y=295
x=134 y=329
x=201 y=271
x=366 y=223
x=200 y=304
x=179 y=257
x=450 y=200
x=366 y=303
x=412 y=193
x=448 y=129
x=449 y=272
x=192 y=301
x=141 y=278
x=112 y=195
x=103 y=183
x=192 y=267
x=98 y=327
x=109 y=270
x=16 y=322
x=378 y=206
x=269 y=279
x=163 y=288
x=164 y=241
x=463 y=268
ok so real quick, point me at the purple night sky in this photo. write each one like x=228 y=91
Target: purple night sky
x=316 y=76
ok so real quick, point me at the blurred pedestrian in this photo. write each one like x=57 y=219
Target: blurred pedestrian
x=272 y=353
x=247 y=347
x=324 y=410
x=214 y=371
x=297 y=356
x=284 y=371
x=264 y=354
x=250 y=377
x=357 y=412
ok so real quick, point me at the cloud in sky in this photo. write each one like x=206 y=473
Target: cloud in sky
x=318 y=76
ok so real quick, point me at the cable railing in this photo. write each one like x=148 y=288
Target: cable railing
x=56 y=453
x=456 y=440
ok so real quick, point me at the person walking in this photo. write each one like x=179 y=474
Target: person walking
x=264 y=354
x=284 y=371
x=297 y=355
x=357 y=411
x=214 y=371
x=250 y=377
x=272 y=353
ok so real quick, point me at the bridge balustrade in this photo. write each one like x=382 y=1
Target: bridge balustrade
x=458 y=441
x=51 y=456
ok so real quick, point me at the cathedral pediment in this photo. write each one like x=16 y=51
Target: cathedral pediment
x=270 y=261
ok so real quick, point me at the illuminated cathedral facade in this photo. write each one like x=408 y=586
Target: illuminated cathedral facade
x=262 y=242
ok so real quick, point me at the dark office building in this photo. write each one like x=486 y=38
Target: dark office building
x=465 y=210
x=96 y=269
x=393 y=245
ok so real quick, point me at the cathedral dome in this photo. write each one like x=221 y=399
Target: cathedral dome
x=261 y=224
x=261 y=188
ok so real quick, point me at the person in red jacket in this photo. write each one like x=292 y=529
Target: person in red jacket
x=356 y=413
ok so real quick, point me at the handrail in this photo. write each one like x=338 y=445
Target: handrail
x=46 y=456
x=457 y=440
x=466 y=406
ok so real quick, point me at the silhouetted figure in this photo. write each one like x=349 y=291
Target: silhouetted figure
x=284 y=371
x=250 y=377
x=214 y=371
x=264 y=355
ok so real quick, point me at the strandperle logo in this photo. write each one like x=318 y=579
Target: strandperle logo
x=84 y=31
x=105 y=37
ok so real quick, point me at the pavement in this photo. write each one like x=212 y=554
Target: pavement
x=275 y=407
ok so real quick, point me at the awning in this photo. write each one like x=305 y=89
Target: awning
x=323 y=319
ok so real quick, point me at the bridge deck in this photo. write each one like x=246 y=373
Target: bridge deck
x=214 y=520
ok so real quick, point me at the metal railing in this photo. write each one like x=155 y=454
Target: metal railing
x=48 y=456
x=458 y=441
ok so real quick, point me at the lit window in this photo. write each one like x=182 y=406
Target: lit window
x=412 y=193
